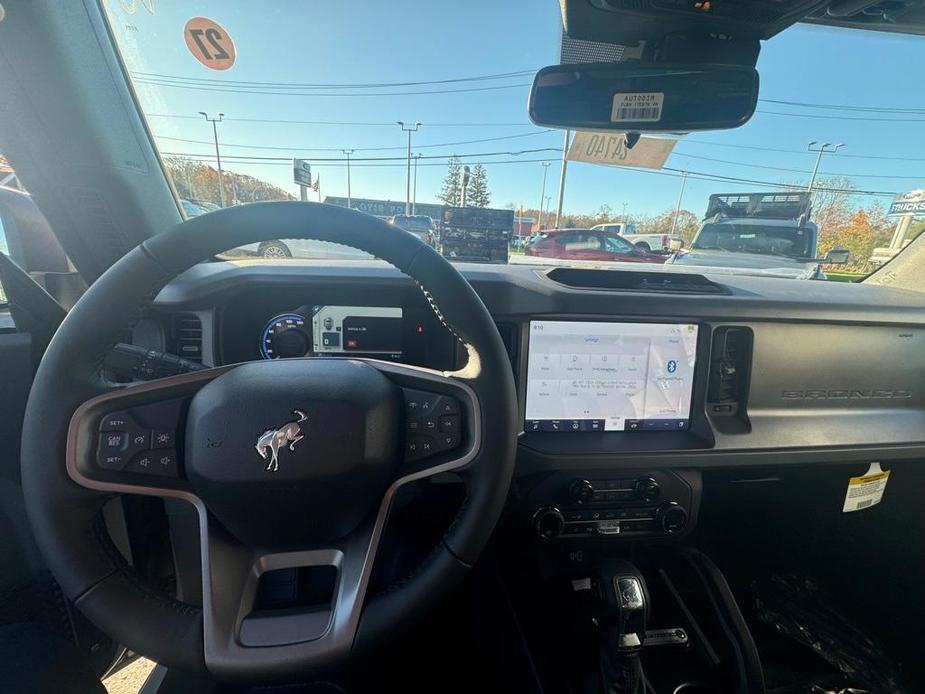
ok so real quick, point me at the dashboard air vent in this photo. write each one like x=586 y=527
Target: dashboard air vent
x=635 y=281
x=730 y=366
x=187 y=331
x=508 y=333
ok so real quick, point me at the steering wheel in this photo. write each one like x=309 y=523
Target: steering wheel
x=289 y=463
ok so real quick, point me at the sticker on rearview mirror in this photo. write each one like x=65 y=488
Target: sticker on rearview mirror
x=637 y=106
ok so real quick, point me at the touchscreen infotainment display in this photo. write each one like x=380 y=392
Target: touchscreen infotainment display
x=591 y=376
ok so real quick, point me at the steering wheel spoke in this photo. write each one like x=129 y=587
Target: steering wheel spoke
x=129 y=439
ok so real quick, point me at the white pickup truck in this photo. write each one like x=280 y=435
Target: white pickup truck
x=656 y=243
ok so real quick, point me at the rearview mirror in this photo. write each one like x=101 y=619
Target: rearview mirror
x=837 y=256
x=643 y=97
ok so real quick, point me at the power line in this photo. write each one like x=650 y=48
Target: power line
x=838 y=107
x=293 y=148
x=315 y=85
x=232 y=90
x=841 y=118
x=797 y=171
x=385 y=124
x=256 y=158
x=797 y=151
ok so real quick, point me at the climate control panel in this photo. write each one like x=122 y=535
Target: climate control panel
x=660 y=503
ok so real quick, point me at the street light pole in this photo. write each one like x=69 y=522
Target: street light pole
x=821 y=149
x=218 y=157
x=348 y=152
x=414 y=196
x=568 y=134
x=623 y=218
x=409 y=129
x=543 y=195
x=677 y=211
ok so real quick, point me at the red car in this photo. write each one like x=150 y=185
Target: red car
x=588 y=244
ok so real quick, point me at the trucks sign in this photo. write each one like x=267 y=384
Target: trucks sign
x=912 y=202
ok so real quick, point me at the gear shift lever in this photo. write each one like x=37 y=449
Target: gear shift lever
x=625 y=603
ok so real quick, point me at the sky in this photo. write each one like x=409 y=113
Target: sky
x=284 y=43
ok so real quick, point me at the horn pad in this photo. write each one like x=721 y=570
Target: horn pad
x=294 y=451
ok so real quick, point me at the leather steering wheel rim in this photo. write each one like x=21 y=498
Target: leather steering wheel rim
x=65 y=516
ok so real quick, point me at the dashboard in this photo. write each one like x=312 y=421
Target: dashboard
x=623 y=376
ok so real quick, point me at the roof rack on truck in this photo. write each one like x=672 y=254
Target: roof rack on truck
x=776 y=205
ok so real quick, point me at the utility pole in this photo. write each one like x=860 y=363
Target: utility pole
x=348 y=152
x=548 y=201
x=677 y=211
x=414 y=195
x=539 y=222
x=821 y=149
x=409 y=129
x=568 y=135
x=623 y=216
x=218 y=157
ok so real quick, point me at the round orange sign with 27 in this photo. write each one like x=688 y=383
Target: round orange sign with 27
x=209 y=43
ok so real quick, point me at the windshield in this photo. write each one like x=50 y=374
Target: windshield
x=249 y=102
x=794 y=242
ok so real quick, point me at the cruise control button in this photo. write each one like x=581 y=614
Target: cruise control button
x=115 y=421
x=113 y=441
x=111 y=461
x=162 y=438
x=156 y=462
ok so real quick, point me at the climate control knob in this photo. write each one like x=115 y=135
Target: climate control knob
x=581 y=491
x=647 y=489
x=548 y=522
x=671 y=517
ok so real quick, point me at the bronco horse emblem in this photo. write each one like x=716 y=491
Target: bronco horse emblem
x=274 y=439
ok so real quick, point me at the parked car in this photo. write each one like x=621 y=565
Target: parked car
x=588 y=244
x=420 y=225
x=664 y=243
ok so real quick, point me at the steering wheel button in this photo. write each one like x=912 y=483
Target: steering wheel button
x=448 y=405
x=448 y=441
x=155 y=462
x=113 y=441
x=162 y=438
x=111 y=461
x=116 y=421
x=449 y=424
x=430 y=424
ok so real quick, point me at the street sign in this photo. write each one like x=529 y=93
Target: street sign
x=302 y=172
x=610 y=148
x=912 y=202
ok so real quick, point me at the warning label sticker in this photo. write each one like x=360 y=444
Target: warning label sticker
x=637 y=106
x=867 y=490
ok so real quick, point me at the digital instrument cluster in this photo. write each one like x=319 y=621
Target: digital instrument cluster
x=333 y=331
